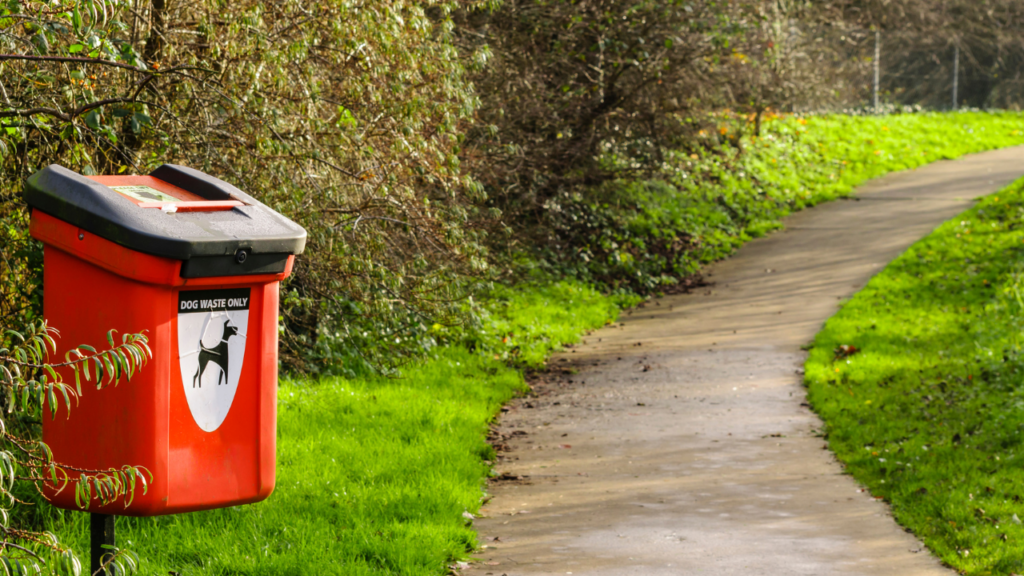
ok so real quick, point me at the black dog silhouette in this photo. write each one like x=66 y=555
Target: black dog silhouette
x=218 y=355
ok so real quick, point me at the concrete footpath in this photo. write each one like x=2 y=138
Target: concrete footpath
x=678 y=441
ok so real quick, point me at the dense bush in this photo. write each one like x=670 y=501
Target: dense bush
x=572 y=85
x=346 y=117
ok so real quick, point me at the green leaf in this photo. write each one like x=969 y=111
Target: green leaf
x=115 y=360
x=40 y=42
x=131 y=489
x=80 y=492
x=46 y=450
x=345 y=118
x=50 y=341
x=145 y=483
x=136 y=357
x=51 y=373
x=67 y=399
x=76 y=48
x=126 y=361
x=92 y=119
x=51 y=400
x=109 y=367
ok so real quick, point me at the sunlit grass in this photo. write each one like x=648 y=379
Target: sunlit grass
x=928 y=411
x=374 y=475
x=719 y=200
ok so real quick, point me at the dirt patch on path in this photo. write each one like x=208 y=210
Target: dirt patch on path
x=683 y=444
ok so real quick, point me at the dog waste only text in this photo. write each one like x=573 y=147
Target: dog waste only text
x=218 y=304
x=213 y=300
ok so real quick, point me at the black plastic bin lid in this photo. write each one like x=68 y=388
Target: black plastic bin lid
x=245 y=238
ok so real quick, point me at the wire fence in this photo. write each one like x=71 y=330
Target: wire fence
x=885 y=69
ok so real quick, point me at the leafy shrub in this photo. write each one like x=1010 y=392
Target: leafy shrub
x=32 y=388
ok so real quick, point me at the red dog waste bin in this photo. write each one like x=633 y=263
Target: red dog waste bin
x=196 y=263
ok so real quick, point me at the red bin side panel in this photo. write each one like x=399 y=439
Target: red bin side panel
x=123 y=424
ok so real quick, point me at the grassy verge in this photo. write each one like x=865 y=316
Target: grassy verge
x=374 y=475
x=927 y=407
x=647 y=234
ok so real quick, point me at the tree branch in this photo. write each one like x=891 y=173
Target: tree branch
x=67 y=116
x=100 y=61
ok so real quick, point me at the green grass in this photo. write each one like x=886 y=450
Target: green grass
x=706 y=204
x=527 y=322
x=929 y=413
x=374 y=475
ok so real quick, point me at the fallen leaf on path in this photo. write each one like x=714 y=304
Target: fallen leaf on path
x=565 y=446
x=509 y=477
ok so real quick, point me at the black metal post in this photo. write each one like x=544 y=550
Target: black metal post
x=101 y=532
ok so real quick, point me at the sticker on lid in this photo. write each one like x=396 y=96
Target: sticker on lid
x=145 y=194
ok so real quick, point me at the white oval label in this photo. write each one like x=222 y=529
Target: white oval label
x=211 y=347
